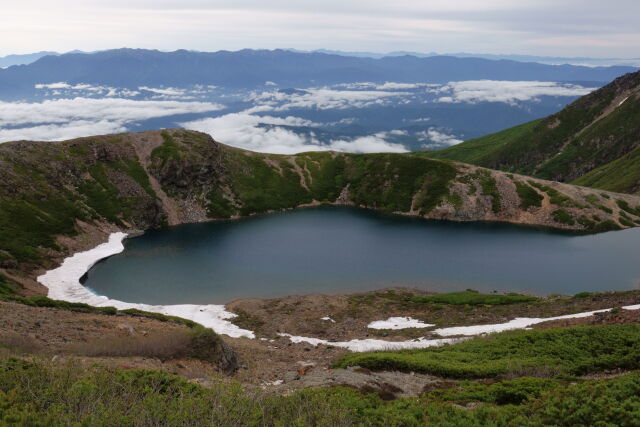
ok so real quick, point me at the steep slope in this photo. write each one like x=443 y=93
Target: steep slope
x=56 y=198
x=595 y=138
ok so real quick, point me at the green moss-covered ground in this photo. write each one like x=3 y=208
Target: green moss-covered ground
x=38 y=393
x=568 y=351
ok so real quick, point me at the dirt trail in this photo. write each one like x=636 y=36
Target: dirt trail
x=144 y=143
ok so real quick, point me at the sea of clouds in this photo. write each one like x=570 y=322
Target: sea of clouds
x=266 y=120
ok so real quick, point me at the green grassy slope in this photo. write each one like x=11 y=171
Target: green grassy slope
x=595 y=131
x=486 y=150
x=42 y=393
x=575 y=351
x=621 y=175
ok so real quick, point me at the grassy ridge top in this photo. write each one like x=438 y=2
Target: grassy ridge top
x=591 y=142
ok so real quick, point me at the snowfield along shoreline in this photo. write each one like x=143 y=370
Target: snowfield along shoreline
x=64 y=284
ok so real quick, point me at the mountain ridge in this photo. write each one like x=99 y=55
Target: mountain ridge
x=593 y=142
x=60 y=197
x=249 y=68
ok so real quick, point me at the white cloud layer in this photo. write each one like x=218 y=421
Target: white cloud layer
x=435 y=138
x=61 y=132
x=322 y=99
x=70 y=118
x=510 y=92
x=384 y=86
x=102 y=109
x=266 y=134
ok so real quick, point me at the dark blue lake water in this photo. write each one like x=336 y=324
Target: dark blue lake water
x=342 y=250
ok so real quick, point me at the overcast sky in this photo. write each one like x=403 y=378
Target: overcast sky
x=591 y=28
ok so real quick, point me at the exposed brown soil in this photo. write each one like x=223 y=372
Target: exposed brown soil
x=272 y=361
x=65 y=335
x=271 y=357
x=144 y=144
x=302 y=315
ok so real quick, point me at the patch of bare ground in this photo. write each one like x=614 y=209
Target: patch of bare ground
x=144 y=143
x=120 y=341
x=350 y=314
x=274 y=358
x=272 y=361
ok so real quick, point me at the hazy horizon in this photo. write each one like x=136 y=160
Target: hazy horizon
x=569 y=28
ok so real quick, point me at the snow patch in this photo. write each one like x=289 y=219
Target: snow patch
x=517 y=323
x=622 y=102
x=64 y=284
x=369 y=344
x=398 y=323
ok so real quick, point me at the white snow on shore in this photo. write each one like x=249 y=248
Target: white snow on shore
x=517 y=323
x=369 y=344
x=64 y=284
x=399 y=323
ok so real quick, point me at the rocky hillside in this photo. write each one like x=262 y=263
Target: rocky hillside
x=593 y=142
x=56 y=198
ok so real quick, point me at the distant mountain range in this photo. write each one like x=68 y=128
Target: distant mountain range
x=253 y=68
x=23 y=59
x=595 y=142
x=552 y=60
x=27 y=58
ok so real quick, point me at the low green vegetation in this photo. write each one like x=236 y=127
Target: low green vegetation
x=479 y=151
x=607 y=225
x=563 y=217
x=489 y=188
x=135 y=171
x=7 y=287
x=260 y=186
x=583 y=294
x=621 y=175
x=622 y=204
x=103 y=197
x=556 y=197
x=36 y=393
x=625 y=221
x=169 y=150
x=28 y=225
x=508 y=392
x=219 y=206
x=326 y=174
x=568 y=351
x=528 y=196
x=390 y=181
x=471 y=297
